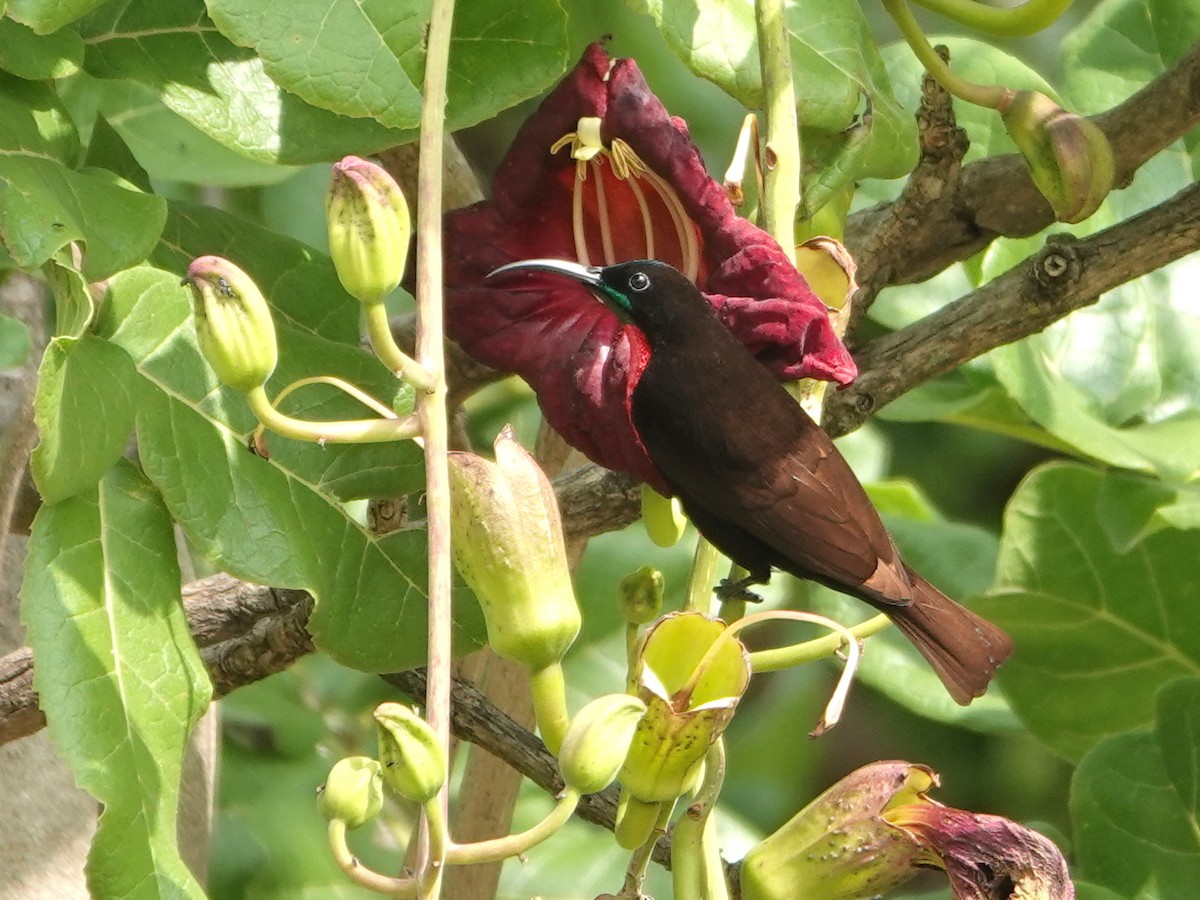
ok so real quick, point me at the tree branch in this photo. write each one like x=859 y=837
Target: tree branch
x=1064 y=276
x=996 y=197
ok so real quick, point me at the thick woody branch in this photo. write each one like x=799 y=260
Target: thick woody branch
x=1066 y=275
x=246 y=632
x=996 y=197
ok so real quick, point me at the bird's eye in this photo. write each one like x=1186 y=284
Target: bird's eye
x=639 y=281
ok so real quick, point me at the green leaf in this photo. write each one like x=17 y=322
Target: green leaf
x=368 y=60
x=172 y=47
x=170 y=147
x=108 y=150
x=851 y=125
x=1122 y=45
x=1099 y=627
x=14 y=342
x=278 y=521
x=38 y=58
x=44 y=205
x=1134 y=804
x=46 y=16
x=117 y=673
x=1178 y=732
x=84 y=414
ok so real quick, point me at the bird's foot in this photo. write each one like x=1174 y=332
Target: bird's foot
x=729 y=591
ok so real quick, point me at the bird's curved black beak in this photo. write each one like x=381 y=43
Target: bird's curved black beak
x=589 y=275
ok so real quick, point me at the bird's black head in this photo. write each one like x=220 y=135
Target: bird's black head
x=651 y=294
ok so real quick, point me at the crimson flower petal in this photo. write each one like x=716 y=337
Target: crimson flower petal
x=632 y=185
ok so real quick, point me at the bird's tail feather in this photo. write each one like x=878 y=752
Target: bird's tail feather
x=963 y=648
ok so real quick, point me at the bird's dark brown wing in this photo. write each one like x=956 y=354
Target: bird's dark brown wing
x=766 y=469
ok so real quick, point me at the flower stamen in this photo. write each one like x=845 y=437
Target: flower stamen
x=602 y=215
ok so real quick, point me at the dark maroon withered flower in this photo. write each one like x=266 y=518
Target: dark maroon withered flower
x=601 y=174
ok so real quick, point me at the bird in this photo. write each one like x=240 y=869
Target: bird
x=759 y=478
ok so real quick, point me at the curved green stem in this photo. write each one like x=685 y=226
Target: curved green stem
x=991 y=96
x=639 y=861
x=797 y=654
x=344 y=386
x=781 y=152
x=379 y=330
x=438 y=841
x=512 y=845
x=696 y=868
x=360 y=874
x=352 y=431
x=704 y=573
x=549 y=690
x=1013 y=21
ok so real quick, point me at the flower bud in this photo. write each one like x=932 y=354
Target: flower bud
x=233 y=323
x=640 y=595
x=353 y=791
x=508 y=546
x=597 y=740
x=690 y=695
x=839 y=847
x=1068 y=155
x=369 y=228
x=413 y=763
x=662 y=517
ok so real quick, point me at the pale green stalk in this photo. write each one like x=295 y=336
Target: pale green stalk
x=1012 y=21
x=549 y=690
x=431 y=404
x=781 y=156
x=383 y=342
x=702 y=578
x=360 y=874
x=353 y=431
x=991 y=96
x=512 y=845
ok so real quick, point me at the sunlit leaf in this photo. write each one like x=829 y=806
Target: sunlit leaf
x=1099 y=627
x=117 y=673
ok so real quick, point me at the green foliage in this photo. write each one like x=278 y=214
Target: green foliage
x=116 y=114
x=117 y=672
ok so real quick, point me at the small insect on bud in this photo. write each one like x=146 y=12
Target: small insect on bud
x=413 y=763
x=233 y=323
x=1068 y=156
x=369 y=228
x=597 y=740
x=353 y=791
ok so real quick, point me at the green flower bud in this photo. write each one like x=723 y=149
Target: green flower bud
x=369 y=228
x=1068 y=155
x=414 y=765
x=690 y=695
x=840 y=847
x=640 y=595
x=353 y=792
x=233 y=323
x=662 y=517
x=597 y=740
x=508 y=546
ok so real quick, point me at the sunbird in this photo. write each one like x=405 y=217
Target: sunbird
x=759 y=478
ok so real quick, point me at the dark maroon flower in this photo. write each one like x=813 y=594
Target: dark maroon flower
x=601 y=174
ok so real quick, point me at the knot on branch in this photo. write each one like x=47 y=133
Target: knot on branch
x=1058 y=265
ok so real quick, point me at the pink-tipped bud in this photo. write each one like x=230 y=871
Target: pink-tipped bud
x=369 y=228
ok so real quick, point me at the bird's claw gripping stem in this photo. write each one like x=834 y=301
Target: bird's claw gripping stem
x=728 y=591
